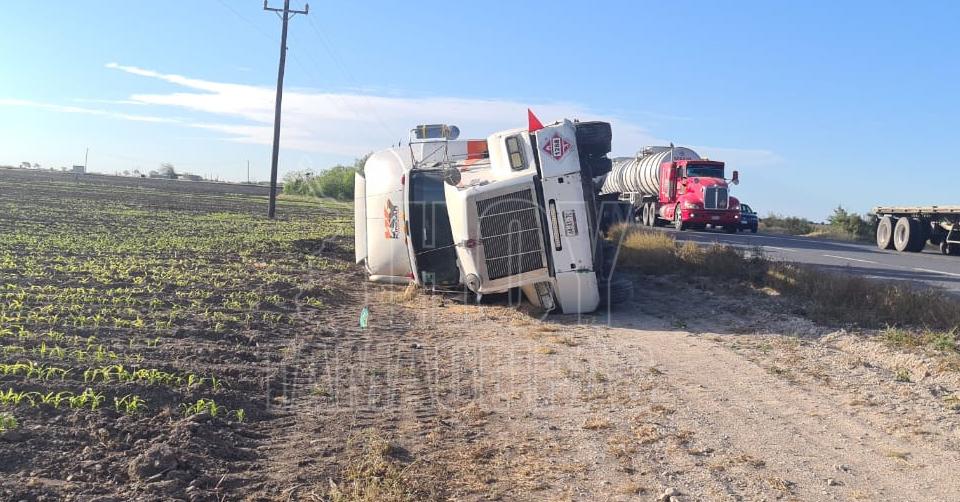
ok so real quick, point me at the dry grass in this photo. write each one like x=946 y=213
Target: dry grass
x=898 y=455
x=373 y=472
x=563 y=340
x=825 y=296
x=398 y=296
x=597 y=423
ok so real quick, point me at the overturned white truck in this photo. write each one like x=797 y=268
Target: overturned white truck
x=516 y=210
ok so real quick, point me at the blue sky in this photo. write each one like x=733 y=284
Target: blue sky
x=816 y=103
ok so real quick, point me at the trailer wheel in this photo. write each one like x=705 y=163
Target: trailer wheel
x=903 y=234
x=615 y=291
x=678 y=220
x=644 y=210
x=908 y=235
x=919 y=241
x=885 y=232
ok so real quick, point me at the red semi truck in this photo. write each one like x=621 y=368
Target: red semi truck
x=673 y=184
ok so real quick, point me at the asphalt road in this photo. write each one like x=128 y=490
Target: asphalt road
x=929 y=267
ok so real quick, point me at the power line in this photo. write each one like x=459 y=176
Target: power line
x=285 y=15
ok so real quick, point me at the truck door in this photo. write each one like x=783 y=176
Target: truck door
x=668 y=183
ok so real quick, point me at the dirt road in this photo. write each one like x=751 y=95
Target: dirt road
x=749 y=403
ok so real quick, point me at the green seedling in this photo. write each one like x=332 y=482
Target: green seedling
x=129 y=404
x=8 y=422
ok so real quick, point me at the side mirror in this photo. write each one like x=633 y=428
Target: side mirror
x=736 y=178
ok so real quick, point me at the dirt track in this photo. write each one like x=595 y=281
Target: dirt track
x=491 y=402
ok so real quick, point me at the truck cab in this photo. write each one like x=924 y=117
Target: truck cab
x=699 y=191
x=516 y=210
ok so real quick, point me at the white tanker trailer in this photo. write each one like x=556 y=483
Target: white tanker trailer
x=673 y=184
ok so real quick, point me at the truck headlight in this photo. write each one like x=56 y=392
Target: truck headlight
x=691 y=205
x=472 y=282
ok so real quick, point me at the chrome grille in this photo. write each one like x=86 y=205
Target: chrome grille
x=715 y=198
x=510 y=233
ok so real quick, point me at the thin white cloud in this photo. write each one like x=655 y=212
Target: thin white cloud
x=350 y=124
x=87 y=111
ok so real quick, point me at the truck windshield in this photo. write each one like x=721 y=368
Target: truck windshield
x=704 y=171
x=430 y=230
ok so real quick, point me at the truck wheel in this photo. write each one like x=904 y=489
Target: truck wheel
x=949 y=249
x=885 y=232
x=654 y=220
x=644 y=214
x=906 y=233
x=678 y=220
x=901 y=234
x=753 y=229
x=918 y=240
x=616 y=291
x=593 y=138
x=595 y=165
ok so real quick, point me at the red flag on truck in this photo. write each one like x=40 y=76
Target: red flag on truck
x=533 y=121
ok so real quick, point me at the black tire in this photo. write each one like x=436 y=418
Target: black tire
x=753 y=229
x=919 y=239
x=654 y=220
x=595 y=165
x=908 y=235
x=678 y=220
x=902 y=232
x=607 y=262
x=949 y=249
x=594 y=138
x=885 y=232
x=644 y=214
x=616 y=291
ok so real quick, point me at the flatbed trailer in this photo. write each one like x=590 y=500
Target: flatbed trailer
x=909 y=228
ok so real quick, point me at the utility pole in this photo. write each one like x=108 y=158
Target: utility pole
x=248 y=172
x=285 y=15
x=85 y=157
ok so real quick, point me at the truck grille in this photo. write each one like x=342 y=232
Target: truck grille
x=510 y=233
x=715 y=198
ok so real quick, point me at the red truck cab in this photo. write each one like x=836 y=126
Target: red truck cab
x=694 y=194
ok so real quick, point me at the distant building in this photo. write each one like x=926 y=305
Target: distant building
x=190 y=177
x=79 y=170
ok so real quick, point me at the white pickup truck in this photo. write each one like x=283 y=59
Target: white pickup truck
x=517 y=210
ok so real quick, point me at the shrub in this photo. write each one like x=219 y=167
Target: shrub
x=852 y=224
x=790 y=225
x=335 y=182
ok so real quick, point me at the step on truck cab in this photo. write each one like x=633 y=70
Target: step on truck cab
x=517 y=210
